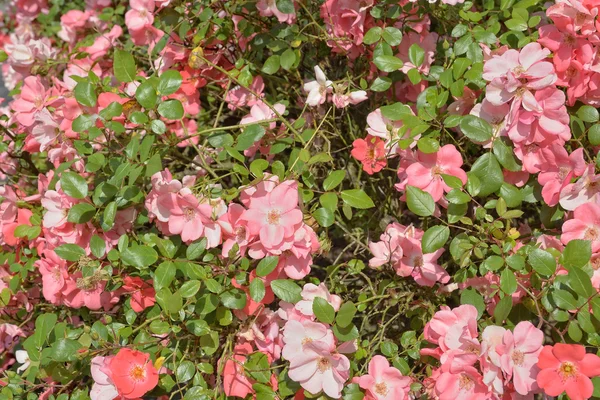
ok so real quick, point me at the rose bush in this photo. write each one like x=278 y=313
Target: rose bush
x=275 y=199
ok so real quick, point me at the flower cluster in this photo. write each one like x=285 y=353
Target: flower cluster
x=291 y=199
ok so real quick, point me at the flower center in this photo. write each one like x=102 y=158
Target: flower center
x=465 y=383
x=518 y=357
x=567 y=370
x=240 y=233
x=518 y=70
x=570 y=40
x=323 y=364
x=381 y=389
x=85 y=284
x=591 y=233
x=418 y=261
x=571 y=72
x=595 y=263
x=530 y=148
x=273 y=217
x=563 y=172
x=189 y=214
x=580 y=18
x=436 y=171
x=306 y=340
x=137 y=373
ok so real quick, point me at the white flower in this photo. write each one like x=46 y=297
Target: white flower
x=317 y=90
x=22 y=358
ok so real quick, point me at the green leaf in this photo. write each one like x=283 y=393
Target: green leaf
x=234 y=299
x=333 y=180
x=435 y=238
x=489 y=173
x=345 y=314
x=257 y=289
x=251 y=135
x=185 y=371
x=196 y=249
x=171 y=109
x=588 y=113
x=288 y=59
x=381 y=84
x=113 y=110
x=388 y=63
x=271 y=65
x=580 y=282
x=109 y=215
x=169 y=82
x=124 y=66
x=476 y=129
x=285 y=6
x=98 y=246
x=564 y=299
x=81 y=213
x=323 y=310
x=373 y=35
x=506 y=156
x=508 y=282
x=416 y=55
x=594 y=135
x=146 y=95
x=44 y=324
x=83 y=123
x=69 y=252
x=65 y=350
x=139 y=256
x=502 y=309
x=267 y=265
x=164 y=275
x=542 y=262
x=357 y=198
x=85 y=94
x=189 y=288
x=392 y=36
x=73 y=185
x=470 y=296
x=286 y=290
x=419 y=202
x=577 y=253
x=324 y=216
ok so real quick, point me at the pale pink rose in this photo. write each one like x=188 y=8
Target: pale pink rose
x=520 y=351
x=422 y=267
x=140 y=16
x=318 y=369
x=268 y=8
x=103 y=387
x=383 y=381
x=585 y=225
x=310 y=292
x=560 y=168
x=318 y=89
x=450 y=328
x=275 y=217
x=344 y=100
x=187 y=218
x=585 y=190
x=460 y=382
x=296 y=334
x=54 y=275
x=31 y=101
x=426 y=173
x=519 y=73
